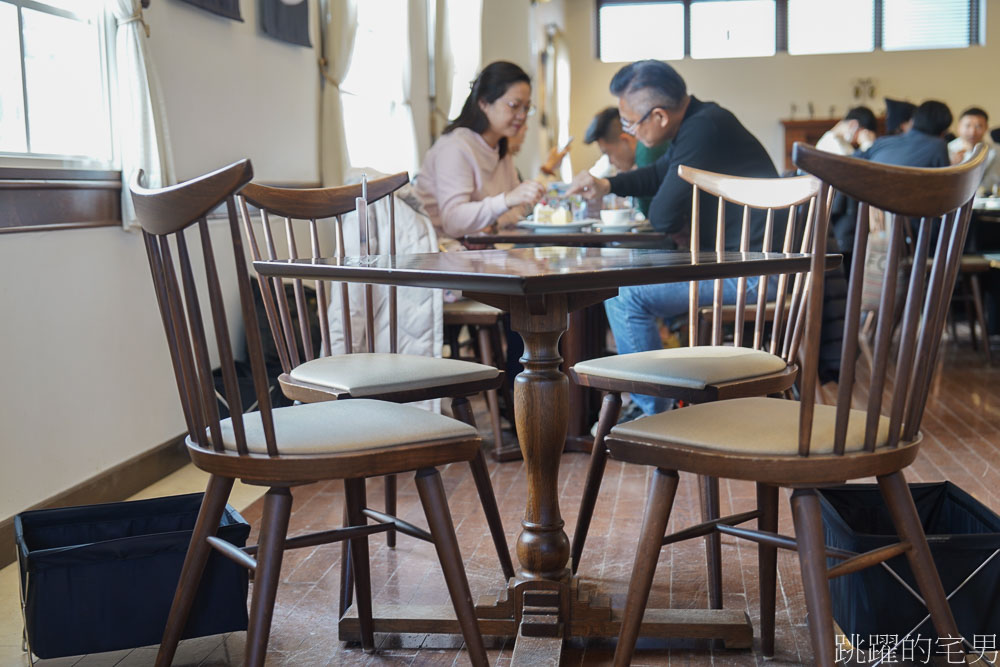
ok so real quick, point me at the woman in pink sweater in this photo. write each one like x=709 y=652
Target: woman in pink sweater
x=468 y=179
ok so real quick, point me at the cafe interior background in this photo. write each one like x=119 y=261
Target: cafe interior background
x=88 y=384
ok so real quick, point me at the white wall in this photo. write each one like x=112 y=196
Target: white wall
x=89 y=383
x=88 y=379
x=233 y=92
x=760 y=91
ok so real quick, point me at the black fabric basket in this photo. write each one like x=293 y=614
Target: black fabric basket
x=102 y=577
x=962 y=534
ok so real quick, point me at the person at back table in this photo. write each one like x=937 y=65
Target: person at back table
x=468 y=180
x=655 y=106
x=922 y=145
x=972 y=126
x=621 y=149
x=856 y=130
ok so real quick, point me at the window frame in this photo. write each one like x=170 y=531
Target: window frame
x=52 y=192
x=65 y=161
x=976 y=24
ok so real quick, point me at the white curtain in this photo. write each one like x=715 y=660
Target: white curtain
x=459 y=53
x=340 y=22
x=140 y=117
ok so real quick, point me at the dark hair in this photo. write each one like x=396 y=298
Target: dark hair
x=975 y=111
x=488 y=87
x=607 y=125
x=864 y=116
x=932 y=117
x=661 y=81
x=897 y=112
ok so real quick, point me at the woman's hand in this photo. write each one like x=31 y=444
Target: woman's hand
x=588 y=186
x=527 y=193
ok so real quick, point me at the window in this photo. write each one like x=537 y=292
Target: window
x=846 y=26
x=377 y=120
x=632 y=32
x=54 y=99
x=629 y=30
x=735 y=29
x=927 y=24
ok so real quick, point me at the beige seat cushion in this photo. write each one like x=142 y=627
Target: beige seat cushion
x=337 y=427
x=369 y=374
x=470 y=306
x=749 y=426
x=691 y=367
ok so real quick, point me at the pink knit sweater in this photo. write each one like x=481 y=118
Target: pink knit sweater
x=462 y=183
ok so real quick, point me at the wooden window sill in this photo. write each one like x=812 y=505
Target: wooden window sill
x=40 y=199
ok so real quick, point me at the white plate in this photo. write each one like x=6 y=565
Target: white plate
x=639 y=226
x=556 y=228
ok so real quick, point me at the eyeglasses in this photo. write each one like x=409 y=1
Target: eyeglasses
x=527 y=108
x=630 y=128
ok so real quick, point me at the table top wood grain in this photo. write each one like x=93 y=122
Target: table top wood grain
x=545 y=270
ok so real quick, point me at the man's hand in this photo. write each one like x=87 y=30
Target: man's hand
x=527 y=193
x=588 y=186
x=865 y=139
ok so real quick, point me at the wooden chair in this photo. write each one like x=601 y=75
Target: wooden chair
x=385 y=375
x=805 y=446
x=758 y=364
x=971 y=267
x=282 y=447
x=486 y=324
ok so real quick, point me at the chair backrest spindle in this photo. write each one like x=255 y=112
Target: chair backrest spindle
x=309 y=207
x=165 y=215
x=772 y=204
x=893 y=409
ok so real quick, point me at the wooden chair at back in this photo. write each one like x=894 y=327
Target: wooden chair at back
x=805 y=446
x=758 y=363
x=279 y=448
x=340 y=374
x=485 y=325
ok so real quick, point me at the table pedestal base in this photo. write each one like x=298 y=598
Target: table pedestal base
x=540 y=614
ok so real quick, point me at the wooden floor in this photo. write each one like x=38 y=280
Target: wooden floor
x=962 y=438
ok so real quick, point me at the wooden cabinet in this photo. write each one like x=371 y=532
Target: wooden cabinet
x=810 y=130
x=807 y=130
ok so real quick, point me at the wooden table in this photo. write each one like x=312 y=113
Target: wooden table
x=582 y=239
x=540 y=287
x=584 y=337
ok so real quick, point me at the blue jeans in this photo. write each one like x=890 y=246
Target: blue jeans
x=632 y=316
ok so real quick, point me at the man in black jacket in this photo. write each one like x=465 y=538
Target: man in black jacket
x=654 y=104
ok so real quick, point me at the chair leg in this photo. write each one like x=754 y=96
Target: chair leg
x=767 y=564
x=812 y=560
x=271 y=548
x=390 y=508
x=977 y=303
x=481 y=476
x=462 y=410
x=361 y=567
x=492 y=401
x=206 y=525
x=709 y=487
x=611 y=407
x=346 y=571
x=435 y=504
x=654 y=525
x=968 y=309
x=907 y=521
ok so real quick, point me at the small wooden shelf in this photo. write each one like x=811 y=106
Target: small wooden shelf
x=807 y=131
